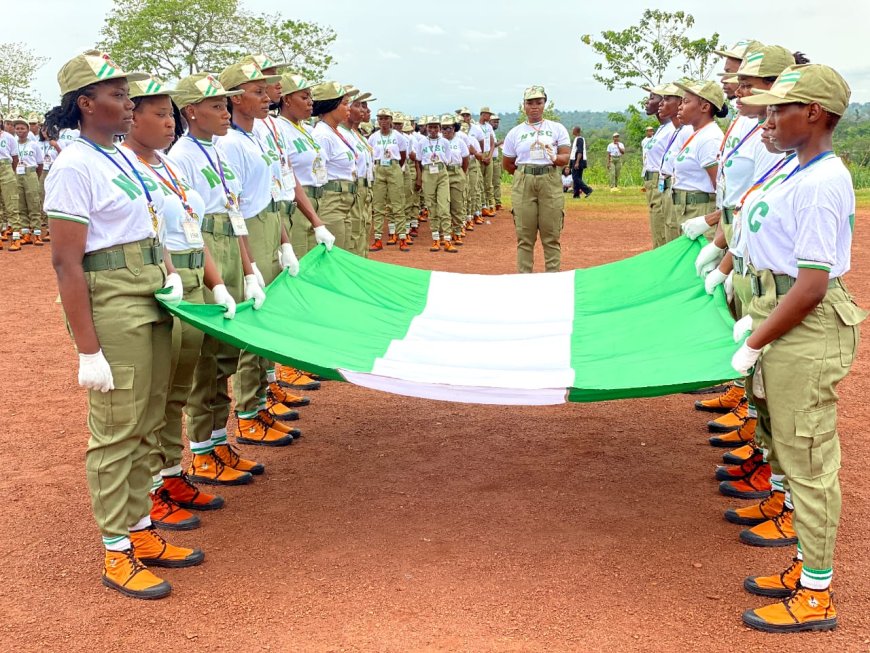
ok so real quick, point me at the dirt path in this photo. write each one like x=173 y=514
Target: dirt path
x=408 y=525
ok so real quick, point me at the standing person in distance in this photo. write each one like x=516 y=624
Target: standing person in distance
x=579 y=163
x=431 y=157
x=109 y=263
x=457 y=164
x=495 y=121
x=488 y=169
x=653 y=152
x=361 y=213
x=534 y=153
x=9 y=216
x=28 y=172
x=390 y=151
x=615 y=152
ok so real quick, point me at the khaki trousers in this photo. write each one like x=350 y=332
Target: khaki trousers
x=472 y=194
x=798 y=412
x=615 y=170
x=679 y=212
x=496 y=180
x=656 y=214
x=335 y=211
x=361 y=220
x=136 y=338
x=487 y=173
x=538 y=209
x=9 y=197
x=388 y=199
x=436 y=194
x=457 y=183
x=29 y=206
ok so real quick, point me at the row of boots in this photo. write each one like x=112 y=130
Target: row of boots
x=17 y=240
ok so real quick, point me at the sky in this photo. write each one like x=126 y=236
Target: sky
x=459 y=52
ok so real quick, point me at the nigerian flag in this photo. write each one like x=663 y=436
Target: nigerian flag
x=643 y=326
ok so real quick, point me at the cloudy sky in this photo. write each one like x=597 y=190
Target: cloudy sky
x=455 y=52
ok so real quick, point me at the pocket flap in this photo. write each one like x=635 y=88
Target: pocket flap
x=850 y=313
x=815 y=422
x=122 y=376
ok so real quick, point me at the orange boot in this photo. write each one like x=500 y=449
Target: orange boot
x=209 y=469
x=778 y=531
x=404 y=245
x=722 y=403
x=271 y=422
x=280 y=412
x=377 y=245
x=280 y=394
x=738 y=456
x=804 y=610
x=123 y=572
x=231 y=458
x=15 y=245
x=734 y=472
x=755 y=485
x=457 y=240
x=46 y=236
x=731 y=421
x=294 y=379
x=185 y=494
x=27 y=239
x=151 y=549
x=744 y=434
x=776 y=586
x=436 y=246
x=168 y=515
x=255 y=431
x=448 y=247
x=767 y=509
x=393 y=239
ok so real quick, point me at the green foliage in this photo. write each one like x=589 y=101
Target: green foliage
x=18 y=65
x=175 y=38
x=642 y=54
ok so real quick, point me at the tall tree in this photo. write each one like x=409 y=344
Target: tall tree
x=303 y=45
x=642 y=54
x=18 y=65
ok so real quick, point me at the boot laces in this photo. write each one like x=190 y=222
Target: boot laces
x=794 y=563
x=136 y=565
x=162 y=498
x=232 y=454
x=219 y=464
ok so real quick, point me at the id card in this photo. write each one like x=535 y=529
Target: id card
x=20 y=169
x=386 y=162
x=536 y=152
x=236 y=219
x=433 y=169
x=288 y=179
x=276 y=189
x=661 y=185
x=319 y=170
x=192 y=233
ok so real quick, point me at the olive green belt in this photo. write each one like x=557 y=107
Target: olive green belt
x=692 y=197
x=428 y=166
x=739 y=264
x=453 y=168
x=314 y=192
x=667 y=183
x=536 y=170
x=340 y=187
x=651 y=175
x=192 y=260
x=728 y=215
x=114 y=258
x=783 y=284
x=30 y=169
x=211 y=226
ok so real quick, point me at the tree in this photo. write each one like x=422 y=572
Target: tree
x=18 y=65
x=303 y=45
x=175 y=38
x=642 y=54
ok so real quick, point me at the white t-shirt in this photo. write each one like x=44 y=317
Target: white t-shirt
x=66 y=137
x=739 y=169
x=364 y=159
x=304 y=152
x=567 y=181
x=8 y=146
x=32 y=137
x=457 y=150
x=487 y=131
x=804 y=222
x=771 y=177
x=49 y=154
x=389 y=146
x=433 y=150
x=29 y=155
x=272 y=138
x=250 y=160
x=674 y=144
x=654 y=147
x=615 y=150
x=477 y=133
x=85 y=187
x=739 y=127
x=699 y=152
x=199 y=167
x=340 y=157
x=173 y=213
x=472 y=145
x=520 y=141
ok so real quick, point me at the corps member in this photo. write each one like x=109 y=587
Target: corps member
x=28 y=172
x=487 y=171
x=653 y=153
x=534 y=153
x=495 y=121
x=9 y=220
x=431 y=156
x=109 y=264
x=457 y=164
x=390 y=151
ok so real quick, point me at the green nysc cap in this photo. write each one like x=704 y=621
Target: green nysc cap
x=243 y=72
x=739 y=49
x=150 y=87
x=89 y=68
x=707 y=90
x=766 y=61
x=328 y=91
x=199 y=87
x=805 y=84
x=534 y=92
x=448 y=120
x=291 y=83
x=265 y=62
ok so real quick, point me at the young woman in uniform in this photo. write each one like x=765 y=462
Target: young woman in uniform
x=109 y=264
x=457 y=165
x=361 y=214
x=430 y=158
x=28 y=173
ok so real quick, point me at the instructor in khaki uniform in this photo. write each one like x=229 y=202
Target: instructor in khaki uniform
x=535 y=152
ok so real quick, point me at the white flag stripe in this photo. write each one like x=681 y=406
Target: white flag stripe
x=511 y=331
x=455 y=393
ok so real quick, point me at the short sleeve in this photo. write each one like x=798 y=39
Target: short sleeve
x=708 y=152
x=38 y=155
x=233 y=156
x=463 y=149
x=68 y=195
x=403 y=142
x=510 y=148
x=818 y=213
x=13 y=146
x=562 y=139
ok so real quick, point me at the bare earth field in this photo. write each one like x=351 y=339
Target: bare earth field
x=407 y=525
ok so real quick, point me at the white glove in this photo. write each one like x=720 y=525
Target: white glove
x=695 y=227
x=173 y=282
x=258 y=275
x=95 y=373
x=744 y=359
x=287 y=259
x=729 y=287
x=223 y=298
x=254 y=291
x=708 y=258
x=713 y=280
x=742 y=327
x=323 y=236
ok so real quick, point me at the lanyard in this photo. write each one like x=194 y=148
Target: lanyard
x=171 y=183
x=362 y=140
x=767 y=175
x=118 y=166
x=727 y=134
x=272 y=128
x=217 y=168
x=723 y=161
x=304 y=133
x=537 y=131
x=819 y=157
x=668 y=148
x=250 y=138
x=692 y=137
x=343 y=140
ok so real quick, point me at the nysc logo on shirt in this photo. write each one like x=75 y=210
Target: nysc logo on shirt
x=213 y=178
x=526 y=135
x=684 y=153
x=761 y=209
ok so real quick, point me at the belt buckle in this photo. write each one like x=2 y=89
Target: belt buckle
x=755 y=285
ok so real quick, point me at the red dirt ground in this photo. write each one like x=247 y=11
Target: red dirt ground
x=408 y=525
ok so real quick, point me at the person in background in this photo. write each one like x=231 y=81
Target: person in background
x=28 y=172
x=495 y=121
x=648 y=136
x=615 y=151
x=579 y=163
x=9 y=219
x=567 y=180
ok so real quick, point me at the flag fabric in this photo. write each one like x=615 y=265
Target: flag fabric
x=639 y=327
